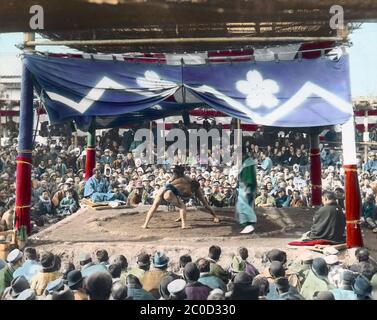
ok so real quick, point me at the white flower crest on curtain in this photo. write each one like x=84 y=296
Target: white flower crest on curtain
x=258 y=92
x=152 y=81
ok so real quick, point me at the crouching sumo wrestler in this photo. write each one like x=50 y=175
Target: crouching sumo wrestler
x=179 y=187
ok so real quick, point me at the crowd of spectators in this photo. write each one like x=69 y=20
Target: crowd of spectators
x=283 y=175
x=30 y=275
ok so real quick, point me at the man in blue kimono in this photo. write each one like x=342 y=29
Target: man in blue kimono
x=97 y=188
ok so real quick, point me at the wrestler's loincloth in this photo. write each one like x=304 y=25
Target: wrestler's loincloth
x=172 y=188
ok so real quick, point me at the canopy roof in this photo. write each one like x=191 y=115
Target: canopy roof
x=296 y=93
x=182 y=19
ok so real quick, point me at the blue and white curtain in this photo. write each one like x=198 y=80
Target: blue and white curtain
x=298 y=93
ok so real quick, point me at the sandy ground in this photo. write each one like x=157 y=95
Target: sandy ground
x=119 y=232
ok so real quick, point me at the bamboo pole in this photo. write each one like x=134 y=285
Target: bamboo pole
x=119 y=42
x=366 y=124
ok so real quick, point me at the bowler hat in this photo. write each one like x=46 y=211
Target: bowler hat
x=362 y=286
x=319 y=267
x=55 y=285
x=160 y=259
x=18 y=285
x=74 y=277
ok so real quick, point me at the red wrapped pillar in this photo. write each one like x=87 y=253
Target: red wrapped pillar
x=90 y=162
x=351 y=183
x=353 y=207
x=315 y=170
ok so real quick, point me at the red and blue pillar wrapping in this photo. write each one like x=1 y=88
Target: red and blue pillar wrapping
x=90 y=153
x=315 y=170
x=24 y=158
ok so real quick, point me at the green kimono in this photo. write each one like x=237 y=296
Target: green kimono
x=312 y=284
x=246 y=193
x=6 y=277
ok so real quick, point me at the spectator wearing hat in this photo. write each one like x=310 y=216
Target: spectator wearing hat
x=88 y=267
x=14 y=261
x=362 y=287
x=345 y=290
x=176 y=289
x=152 y=278
x=135 y=289
x=194 y=290
x=54 y=286
x=365 y=265
x=317 y=279
x=49 y=272
x=286 y=291
x=75 y=283
x=207 y=278
x=143 y=265
x=30 y=267
x=17 y=285
x=98 y=286
x=216 y=269
x=165 y=281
